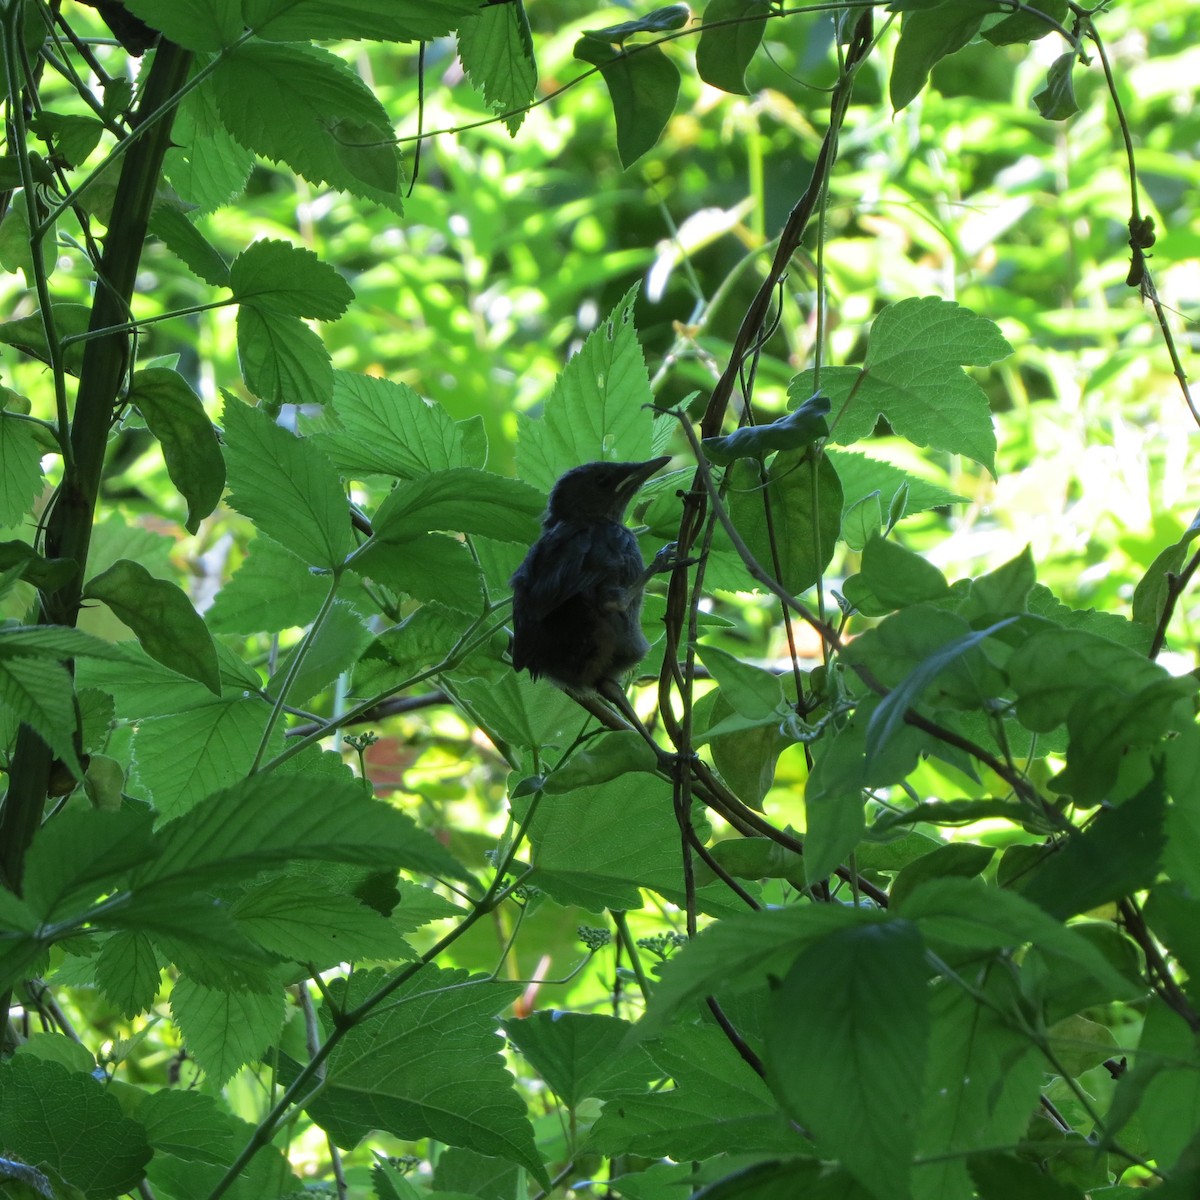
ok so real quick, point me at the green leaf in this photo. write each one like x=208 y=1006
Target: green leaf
x=913 y=377
x=891 y=577
x=188 y=244
x=1174 y=916
x=69 y=1123
x=69 y=136
x=28 y=334
x=432 y=566
x=1001 y=1177
x=283 y=361
x=847 y=1058
x=718 y=1105
x=600 y=406
x=20 y=469
x=378 y=20
x=864 y=476
x=643 y=85
x=805 y=498
x=81 y=854
x=205 y=164
x=288 y=280
x=1056 y=100
x=267 y=820
x=127 y=972
x=729 y=39
x=271 y=591
x=796 y=430
x=39 y=693
x=1117 y=854
x=1002 y=591
x=660 y=20
x=224 y=1030
x=176 y=417
x=460 y=500
x=496 y=49
x=303 y=106
x=750 y=690
x=1152 y=592
x=926 y=37
x=582 y=1054
x=956 y=859
x=49 y=573
x=330 y=649
x=1026 y=26
x=167 y=626
x=193 y=24
x=601 y=760
x=384 y=427
x=286 y=486
x=428 y=1065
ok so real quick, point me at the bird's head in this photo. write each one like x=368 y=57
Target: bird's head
x=599 y=491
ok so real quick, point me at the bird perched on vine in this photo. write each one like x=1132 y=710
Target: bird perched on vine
x=577 y=597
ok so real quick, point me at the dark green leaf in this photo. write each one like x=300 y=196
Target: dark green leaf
x=194 y=24
x=1056 y=100
x=729 y=38
x=160 y=614
x=1027 y=26
x=283 y=361
x=643 y=85
x=28 y=334
x=870 y=1010
x=794 y=431
x=48 y=573
x=1152 y=592
x=661 y=20
x=956 y=859
x=430 y=566
x=289 y=280
x=185 y=241
x=176 y=417
x=496 y=49
x=1174 y=916
x=892 y=577
x=605 y=758
x=927 y=35
x=380 y=20
x=1002 y=1177
x=127 y=971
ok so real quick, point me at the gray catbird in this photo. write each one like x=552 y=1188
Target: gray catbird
x=577 y=597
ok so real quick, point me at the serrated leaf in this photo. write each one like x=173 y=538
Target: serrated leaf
x=286 y=486
x=167 y=626
x=283 y=361
x=205 y=164
x=328 y=650
x=729 y=38
x=303 y=106
x=848 y=1058
x=290 y=280
x=432 y=567
x=40 y=693
x=913 y=377
x=188 y=244
x=223 y=1030
x=378 y=20
x=460 y=500
x=20 y=469
x=176 y=417
x=496 y=49
x=193 y=24
x=384 y=1075
x=599 y=407
x=272 y=590
x=127 y=971
x=643 y=85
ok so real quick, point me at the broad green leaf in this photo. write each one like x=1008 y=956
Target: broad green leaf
x=582 y=1054
x=750 y=690
x=39 y=693
x=1151 y=594
x=303 y=106
x=717 y=1105
x=599 y=408
x=81 y=854
x=139 y=686
x=956 y=859
x=193 y=24
x=187 y=755
x=643 y=85
x=176 y=417
x=302 y=920
x=794 y=431
x=72 y=136
x=328 y=650
x=1027 y=26
x=660 y=20
x=1174 y=916
x=430 y=566
x=730 y=36
x=601 y=760
x=20 y=468
x=1002 y=1176
x=1056 y=100
x=283 y=361
x=55 y=642
x=188 y=244
x=1169 y=1107
x=205 y=164
x=384 y=427
x=863 y=476
x=1002 y=591
x=805 y=499
x=428 y=1065
x=28 y=334
x=127 y=972
x=72 y=1124
x=42 y=572
x=847 y=1058
x=269 y=819
x=913 y=376
x=981 y=1084
x=927 y=36
x=1118 y=853
x=745 y=750
x=420 y=641
x=286 y=486
x=892 y=577
x=272 y=590
x=496 y=49
x=460 y=500
x=379 y=20
x=16 y=252
x=289 y=280
x=224 y=1030
x=741 y=953
x=167 y=626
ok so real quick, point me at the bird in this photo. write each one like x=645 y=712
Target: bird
x=577 y=597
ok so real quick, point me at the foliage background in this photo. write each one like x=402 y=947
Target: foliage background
x=509 y=253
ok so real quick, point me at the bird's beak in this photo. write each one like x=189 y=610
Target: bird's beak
x=641 y=473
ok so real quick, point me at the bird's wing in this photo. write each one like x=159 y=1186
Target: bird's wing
x=569 y=562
